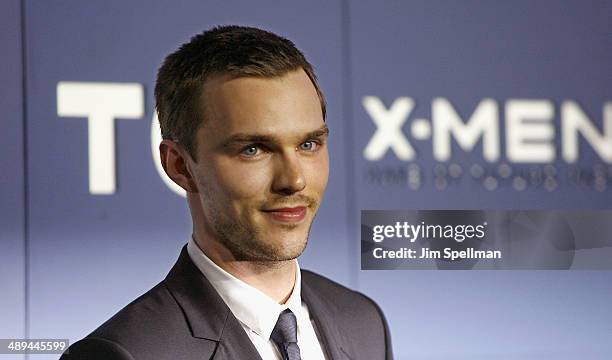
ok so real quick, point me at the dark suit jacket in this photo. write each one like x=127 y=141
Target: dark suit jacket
x=183 y=317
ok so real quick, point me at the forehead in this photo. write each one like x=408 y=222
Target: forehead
x=284 y=106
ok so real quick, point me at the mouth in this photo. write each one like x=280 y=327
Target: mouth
x=288 y=214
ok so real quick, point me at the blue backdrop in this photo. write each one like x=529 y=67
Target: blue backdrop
x=70 y=259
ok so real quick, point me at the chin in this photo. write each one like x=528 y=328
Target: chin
x=288 y=249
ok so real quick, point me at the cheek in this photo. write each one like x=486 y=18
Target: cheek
x=319 y=172
x=242 y=181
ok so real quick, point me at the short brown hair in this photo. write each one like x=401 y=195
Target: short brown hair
x=235 y=50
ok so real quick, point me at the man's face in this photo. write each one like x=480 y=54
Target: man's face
x=262 y=164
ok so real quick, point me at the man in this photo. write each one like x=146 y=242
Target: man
x=243 y=122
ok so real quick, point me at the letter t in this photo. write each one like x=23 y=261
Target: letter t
x=101 y=104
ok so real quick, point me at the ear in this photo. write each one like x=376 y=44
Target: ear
x=175 y=161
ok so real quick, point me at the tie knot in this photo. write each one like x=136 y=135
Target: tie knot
x=285 y=330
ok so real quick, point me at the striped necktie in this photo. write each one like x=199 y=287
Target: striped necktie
x=285 y=336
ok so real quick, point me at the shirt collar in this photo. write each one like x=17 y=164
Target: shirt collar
x=253 y=308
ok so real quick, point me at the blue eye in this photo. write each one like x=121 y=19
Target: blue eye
x=250 y=151
x=309 y=146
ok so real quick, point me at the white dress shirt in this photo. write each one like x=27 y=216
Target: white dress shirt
x=257 y=312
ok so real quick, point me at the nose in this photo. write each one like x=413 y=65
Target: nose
x=289 y=176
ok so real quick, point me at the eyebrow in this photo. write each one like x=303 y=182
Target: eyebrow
x=251 y=138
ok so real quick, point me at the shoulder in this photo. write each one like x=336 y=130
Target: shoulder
x=350 y=311
x=342 y=297
x=154 y=310
x=93 y=348
x=134 y=331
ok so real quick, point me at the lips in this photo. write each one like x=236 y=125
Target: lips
x=288 y=214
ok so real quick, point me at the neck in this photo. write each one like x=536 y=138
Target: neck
x=274 y=278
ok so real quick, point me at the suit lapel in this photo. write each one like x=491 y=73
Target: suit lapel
x=235 y=344
x=208 y=316
x=222 y=336
x=323 y=313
